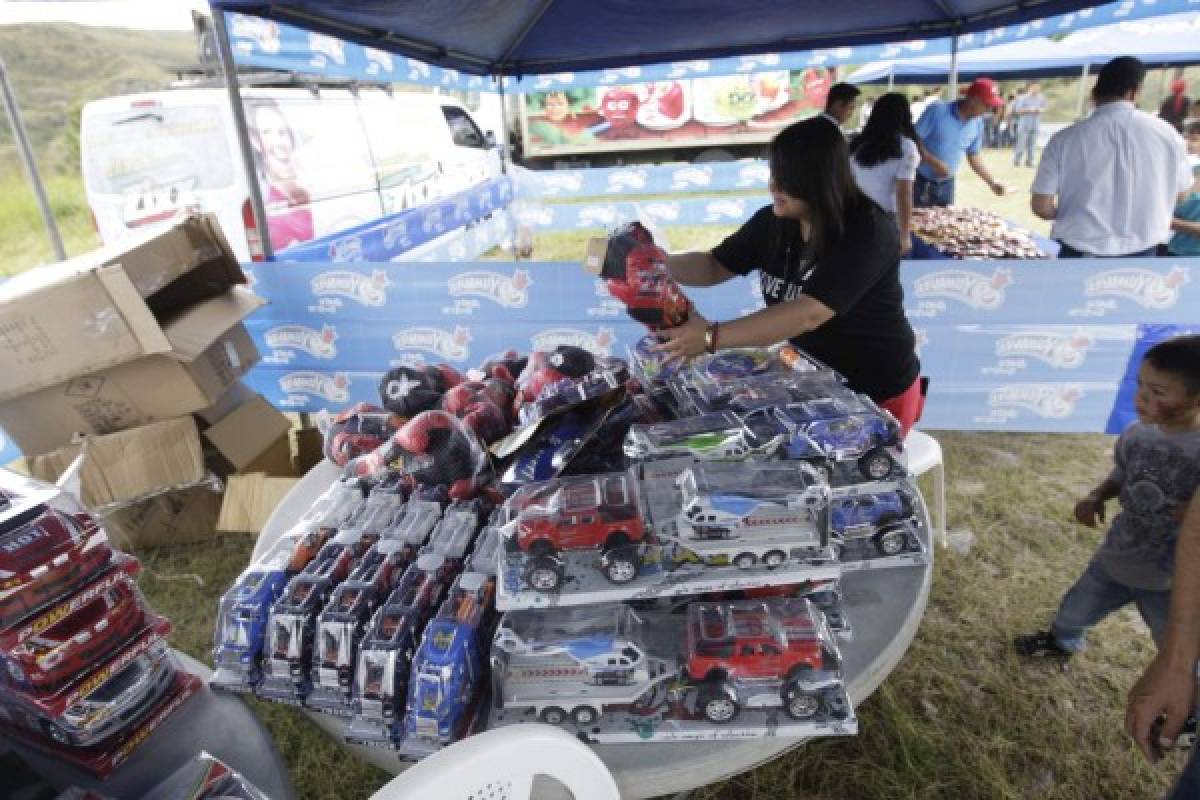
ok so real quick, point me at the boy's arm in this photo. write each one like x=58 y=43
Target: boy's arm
x=1180 y=225
x=1168 y=687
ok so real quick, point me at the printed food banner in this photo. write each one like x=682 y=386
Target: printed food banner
x=685 y=112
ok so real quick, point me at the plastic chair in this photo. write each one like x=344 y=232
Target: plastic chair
x=922 y=453
x=500 y=765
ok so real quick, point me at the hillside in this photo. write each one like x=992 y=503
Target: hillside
x=57 y=67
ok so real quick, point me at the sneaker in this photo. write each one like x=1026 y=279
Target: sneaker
x=1040 y=644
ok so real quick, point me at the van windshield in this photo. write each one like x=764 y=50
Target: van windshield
x=139 y=149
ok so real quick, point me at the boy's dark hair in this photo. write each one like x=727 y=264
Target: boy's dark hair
x=1118 y=77
x=1192 y=127
x=841 y=93
x=1180 y=357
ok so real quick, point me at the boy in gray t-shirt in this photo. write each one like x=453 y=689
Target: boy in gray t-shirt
x=1157 y=469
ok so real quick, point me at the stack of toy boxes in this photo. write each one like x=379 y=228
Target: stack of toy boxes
x=85 y=672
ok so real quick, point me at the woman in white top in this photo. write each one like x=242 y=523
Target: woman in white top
x=884 y=158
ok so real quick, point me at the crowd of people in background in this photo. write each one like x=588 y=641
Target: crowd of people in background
x=1120 y=182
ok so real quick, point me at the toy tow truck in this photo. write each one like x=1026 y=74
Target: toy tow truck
x=448 y=676
x=381 y=676
x=573 y=664
x=752 y=513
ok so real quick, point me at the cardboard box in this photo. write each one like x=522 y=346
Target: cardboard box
x=129 y=465
x=210 y=350
x=250 y=500
x=234 y=396
x=308 y=449
x=110 y=306
x=252 y=438
x=178 y=517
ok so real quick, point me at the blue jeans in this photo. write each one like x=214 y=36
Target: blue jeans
x=1094 y=596
x=1026 y=142
x=1187 y=786
x=928 y=193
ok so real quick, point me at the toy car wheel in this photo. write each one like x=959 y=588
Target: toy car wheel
x=744 y=560
x=718 y=707
x=553 y=715
x=584 y=715
x=56 y=732
x=891 y=542
x=621 y=567
x=543 y=575
x=800 y=704
x=876 y=464
x=774 y=558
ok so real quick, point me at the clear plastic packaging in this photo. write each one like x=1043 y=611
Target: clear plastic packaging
x=742 y=380
x=727 y=669
x=205 y=777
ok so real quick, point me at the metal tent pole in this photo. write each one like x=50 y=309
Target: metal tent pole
x=27 y=160
x=891 y=76
x=243 y=133
x=1082 y=100
x=953 y=87
x=504 y=141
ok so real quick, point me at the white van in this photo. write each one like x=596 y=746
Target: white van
x=326 y=160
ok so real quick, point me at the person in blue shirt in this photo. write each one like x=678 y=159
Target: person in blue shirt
x=947 y=131
x=1186 y=220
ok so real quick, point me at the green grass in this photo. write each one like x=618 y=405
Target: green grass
x=960 y=718
x=23 y=239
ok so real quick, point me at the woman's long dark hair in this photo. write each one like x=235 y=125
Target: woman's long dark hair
x=879 y=140
x=809 y=161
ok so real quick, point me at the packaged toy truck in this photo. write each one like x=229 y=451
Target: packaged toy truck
x=381 y=677
x=635 y=271
x=449 y=670
x=755 y=512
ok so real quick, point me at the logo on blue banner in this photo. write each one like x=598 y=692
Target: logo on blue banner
x=661 y=212
x=325 y=49
x=751 y=175
x=448 y=345
x=717 y=210
x=600 y=343
x=1146 y=287
x=299 y=386
x=366 y=290
x=690 y=176
x=975 y=289
x=1048 y=400
x=379 y=61
x=598 y=216
x=1061 y=350
x=263 y=33
x=349 y=249
x=507 y=291
x=624 y=180
x=318 y=344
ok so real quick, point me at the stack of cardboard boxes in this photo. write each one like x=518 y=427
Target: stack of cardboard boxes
x=133 y=355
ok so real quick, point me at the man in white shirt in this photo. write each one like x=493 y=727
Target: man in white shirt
x=1110 y=182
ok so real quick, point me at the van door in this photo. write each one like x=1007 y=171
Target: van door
x=148 y=157
x=313 y=162
x=403 y=133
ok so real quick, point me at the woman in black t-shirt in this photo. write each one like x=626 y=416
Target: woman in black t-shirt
x=828 y=263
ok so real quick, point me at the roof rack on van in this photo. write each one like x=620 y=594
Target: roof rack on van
x=200 y=76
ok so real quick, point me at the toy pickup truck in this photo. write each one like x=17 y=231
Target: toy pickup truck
x=593 y=512
x=885 y=519
x=769 y=652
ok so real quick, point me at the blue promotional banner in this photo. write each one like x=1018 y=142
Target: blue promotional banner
x=1009 y=345
x=389 y=237
x=266 y=43
x=578 y=216
x=642 y=179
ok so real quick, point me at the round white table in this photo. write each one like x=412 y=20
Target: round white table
x=884 y=608
x=218 y=723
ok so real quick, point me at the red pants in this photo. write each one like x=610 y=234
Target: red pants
x=907 y=406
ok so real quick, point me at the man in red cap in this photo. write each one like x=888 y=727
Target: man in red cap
x=1177 y=106
x=947 y=131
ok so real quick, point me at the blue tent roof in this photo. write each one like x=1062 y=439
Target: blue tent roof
x=1169 y=39
x=546 y=36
